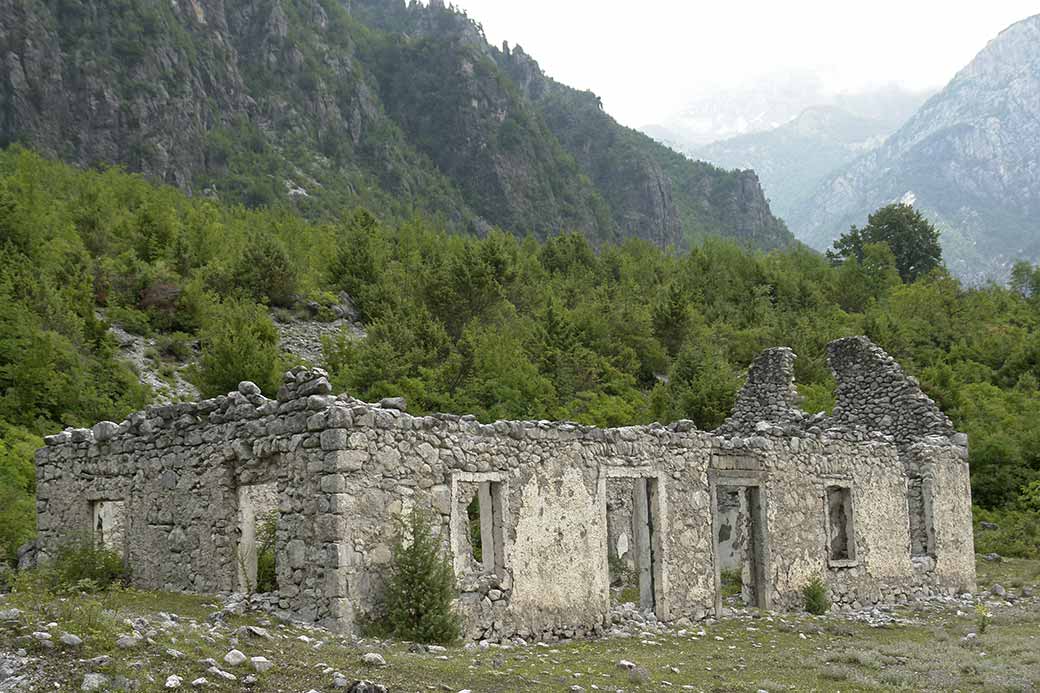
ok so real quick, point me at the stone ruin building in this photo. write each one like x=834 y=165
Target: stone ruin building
x=539 y=518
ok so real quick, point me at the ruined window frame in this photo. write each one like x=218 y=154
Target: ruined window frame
x=492 y=486
x=845 y=486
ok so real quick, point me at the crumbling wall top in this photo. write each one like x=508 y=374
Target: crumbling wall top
x=768 y=395
x=874 y=392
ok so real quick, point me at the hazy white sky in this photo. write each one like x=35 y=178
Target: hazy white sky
x=646 y=58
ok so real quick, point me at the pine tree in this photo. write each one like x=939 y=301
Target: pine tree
x=420 y=591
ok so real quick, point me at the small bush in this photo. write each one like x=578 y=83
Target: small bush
x=420 y=590
x=82 y=566
x=982 y=617
x=732 y=582
x=815 y=596
x=130 y=319
x=176 y=345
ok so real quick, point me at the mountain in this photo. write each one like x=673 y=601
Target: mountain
x=773 y=101
x=323 y=105
x=793 y=159
x=967 y=159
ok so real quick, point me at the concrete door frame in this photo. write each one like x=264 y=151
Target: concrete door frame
x=755 y=482
x=657 y=507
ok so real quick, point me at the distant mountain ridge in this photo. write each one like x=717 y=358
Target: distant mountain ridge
x=322 y=105
x=772 y=102
x=968 y=159
x=793 y=159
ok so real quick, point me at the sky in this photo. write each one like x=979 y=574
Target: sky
x=646 y=59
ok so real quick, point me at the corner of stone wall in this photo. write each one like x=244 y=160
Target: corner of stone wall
x=768 y=397
x=874 y=392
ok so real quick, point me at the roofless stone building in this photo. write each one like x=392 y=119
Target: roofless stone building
x=874 y=499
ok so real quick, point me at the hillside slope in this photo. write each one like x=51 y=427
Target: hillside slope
x=323 y=105
x=967 y=159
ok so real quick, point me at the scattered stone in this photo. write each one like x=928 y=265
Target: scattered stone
x=250 y=680
x=41 y=635
x=993 y=557
x=70 y=640
x=226 y=675
x=98 y=662
x=366 y=687
x=234 y=658
x=199 y=682
x=627 y=665
x=94 y=682
x=988 y=525
x=261 y=664
x=174 y=681
x=175 y=654
x=998 y=590
x=256 y=631
x=374 y=659
x=127 y=642
x=10 y=615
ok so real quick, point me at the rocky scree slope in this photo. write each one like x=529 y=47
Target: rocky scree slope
x=323 y=105
x=968 y=159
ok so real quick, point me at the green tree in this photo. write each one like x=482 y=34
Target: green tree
x=913 y=239
x=266 y=272
x=420 y=589
x=239 y=342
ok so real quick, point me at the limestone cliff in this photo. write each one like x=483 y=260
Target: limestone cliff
x=322 y=105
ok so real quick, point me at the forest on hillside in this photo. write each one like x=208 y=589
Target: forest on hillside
x=498 y=326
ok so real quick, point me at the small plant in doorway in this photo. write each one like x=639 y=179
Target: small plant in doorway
x=266 y=531
x=420 y=589
x=731 y=582
x=815 y=596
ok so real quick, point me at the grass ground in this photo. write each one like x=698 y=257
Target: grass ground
x=925 y=651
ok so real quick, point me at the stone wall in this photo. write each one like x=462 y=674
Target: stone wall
x=189 y=477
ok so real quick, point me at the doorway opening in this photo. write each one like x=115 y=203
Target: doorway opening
x=258 y=525
x=632 y=541
x=740 y=546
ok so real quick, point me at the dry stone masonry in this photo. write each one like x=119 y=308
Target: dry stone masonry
x=874 y=500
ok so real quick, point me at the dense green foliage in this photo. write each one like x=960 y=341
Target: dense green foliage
x=497 y=326
x=420 y=589
x=912 y=239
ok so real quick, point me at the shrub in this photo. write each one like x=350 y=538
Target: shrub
x=176 y=345
x=83 y=566
x=1013 y=533
x=420 y=590
x=732 y=582
x=266 y=272
x=815 y=596
x=239 y=342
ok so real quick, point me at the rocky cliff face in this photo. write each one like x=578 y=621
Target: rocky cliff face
x=323 y=105
x=967 y=159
